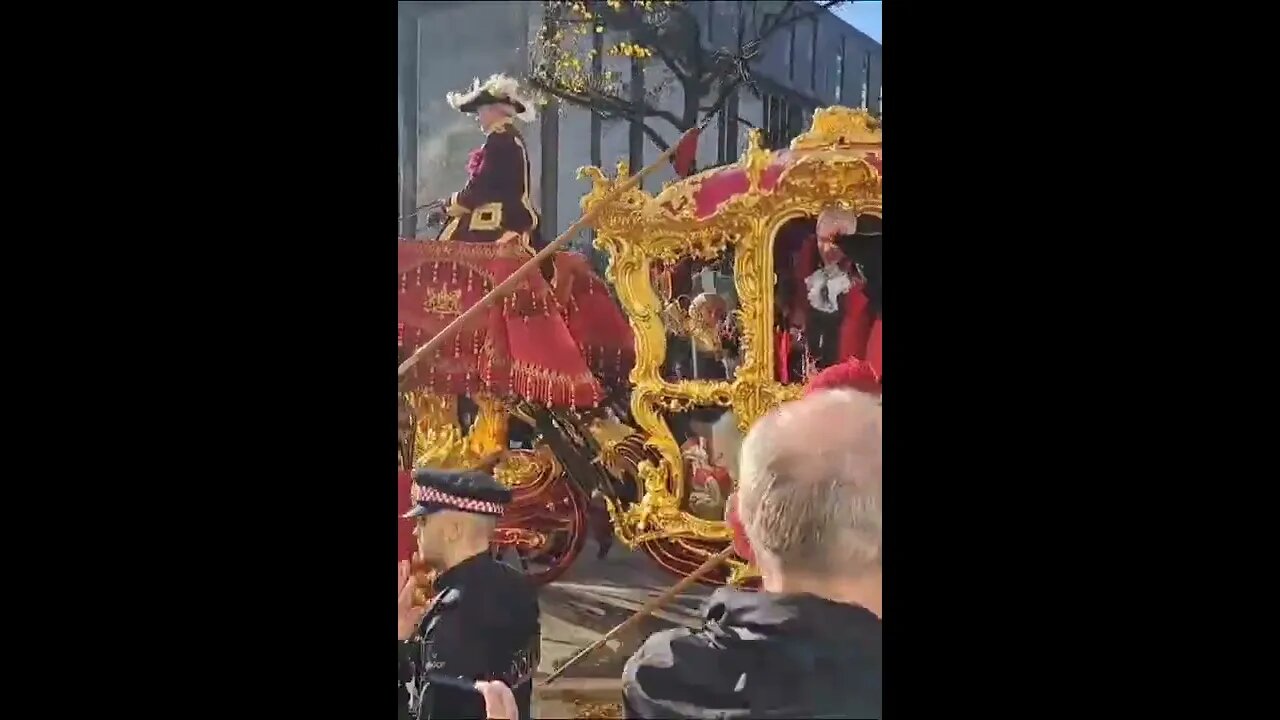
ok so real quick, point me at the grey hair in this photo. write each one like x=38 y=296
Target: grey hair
x=809 y=494
x=841 y=221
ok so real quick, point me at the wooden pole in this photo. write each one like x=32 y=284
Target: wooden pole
x=501 y=289
x=646 y=610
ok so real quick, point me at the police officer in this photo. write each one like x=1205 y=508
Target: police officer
x=482 y=623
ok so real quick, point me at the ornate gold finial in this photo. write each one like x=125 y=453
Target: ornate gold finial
x=839 y=127
x=756 y=158
x=600 y=186
x=443 y=302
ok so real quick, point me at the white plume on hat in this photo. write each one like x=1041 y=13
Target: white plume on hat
x=500 y=86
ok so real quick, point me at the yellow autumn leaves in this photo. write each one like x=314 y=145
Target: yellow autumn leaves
x=568 y=63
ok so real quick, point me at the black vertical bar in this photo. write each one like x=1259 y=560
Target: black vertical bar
x=791 y=53
x=549 y=136
x=866 y=97
x=722 y=134
x=813 y=55
x=597 y=71
x=731 y=141
x=636 y=154
x=550 y=141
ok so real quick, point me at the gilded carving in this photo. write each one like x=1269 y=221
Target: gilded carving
x=824 y=167
x=439 y=439
x=840 y=127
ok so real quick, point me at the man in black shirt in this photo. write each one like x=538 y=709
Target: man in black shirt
x=807 y=510
x=482 y=623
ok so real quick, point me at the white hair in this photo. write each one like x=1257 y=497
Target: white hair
x=842 y=222
x=809 y=493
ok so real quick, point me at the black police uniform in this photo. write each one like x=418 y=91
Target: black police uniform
x=483 y=623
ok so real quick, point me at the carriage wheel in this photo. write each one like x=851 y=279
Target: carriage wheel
x=543 y=547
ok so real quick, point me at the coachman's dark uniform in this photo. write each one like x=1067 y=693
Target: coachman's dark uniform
x=495 y=200
x=483 y=623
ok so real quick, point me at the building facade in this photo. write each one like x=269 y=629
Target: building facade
x=813 y=63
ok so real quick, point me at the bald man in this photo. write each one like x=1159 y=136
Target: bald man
x=809 y=644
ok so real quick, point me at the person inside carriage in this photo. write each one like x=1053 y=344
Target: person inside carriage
x=828 y=298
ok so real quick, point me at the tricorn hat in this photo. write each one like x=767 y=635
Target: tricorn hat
x=497 y=89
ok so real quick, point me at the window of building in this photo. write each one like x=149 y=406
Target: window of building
x=731 y=133
x=722 y=125
x=866 y=80
x=722 y=26
x=784 y=119
x=840 y=72
x=791 y=52
x=795 y=124
x=880 y=102
x=813 y=55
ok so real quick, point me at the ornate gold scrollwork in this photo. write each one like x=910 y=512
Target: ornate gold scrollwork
x=838 y=128
x=440 y=442
x=517 y=470
x=825 y=167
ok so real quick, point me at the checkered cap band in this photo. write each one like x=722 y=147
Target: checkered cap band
x=419 y=494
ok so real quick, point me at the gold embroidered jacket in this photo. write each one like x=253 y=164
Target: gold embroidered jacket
x=496 y=198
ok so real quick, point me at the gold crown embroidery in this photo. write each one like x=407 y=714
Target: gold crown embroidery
x=443 y=302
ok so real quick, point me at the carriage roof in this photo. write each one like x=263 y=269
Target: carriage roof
x=836 y=162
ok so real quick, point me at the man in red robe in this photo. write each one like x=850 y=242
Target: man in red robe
x=860 y=239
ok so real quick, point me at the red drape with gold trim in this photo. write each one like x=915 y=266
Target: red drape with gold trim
x=520 y=346
x=597 y=324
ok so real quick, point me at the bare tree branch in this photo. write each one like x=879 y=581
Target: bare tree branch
x=593 y=99
x=673 y=34
x=607 y=108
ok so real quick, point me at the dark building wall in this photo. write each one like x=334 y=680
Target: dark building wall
x=792 y=61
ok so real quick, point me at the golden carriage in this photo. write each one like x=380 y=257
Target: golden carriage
x=736 y=217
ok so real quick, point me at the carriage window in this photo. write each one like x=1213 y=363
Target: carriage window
x=698 y=300
x=708 y=438
x=822 y=305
